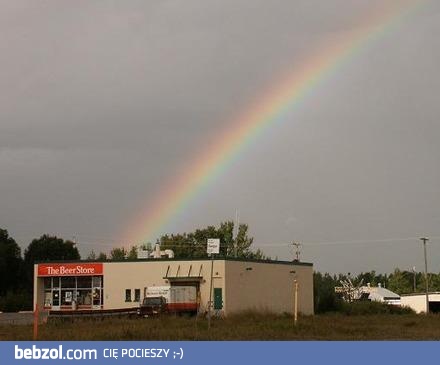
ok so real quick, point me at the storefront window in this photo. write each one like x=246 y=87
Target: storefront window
x=47 y=283
x=96 y=281
x=73 y=292
x=66 y=297
x=84 y=297
x=84 y=282
x=96 y=296
x=48 y=298
x=68 y=282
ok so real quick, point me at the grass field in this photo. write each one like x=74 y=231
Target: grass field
x=246 y=326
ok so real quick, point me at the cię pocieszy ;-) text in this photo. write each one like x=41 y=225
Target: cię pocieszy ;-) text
x=138 y=353
x=60 y=353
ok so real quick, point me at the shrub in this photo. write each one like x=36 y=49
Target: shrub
x=371 y=307
x=15 y=301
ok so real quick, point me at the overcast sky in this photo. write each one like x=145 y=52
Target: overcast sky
x=102 y=102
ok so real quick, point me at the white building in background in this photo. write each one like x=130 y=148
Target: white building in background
x=417 y=302
x=380 y=294
x=351 y=293
x=157 y=253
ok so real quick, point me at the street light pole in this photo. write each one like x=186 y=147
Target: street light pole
x=295 y=309
x=424 y=240
x=295 y=298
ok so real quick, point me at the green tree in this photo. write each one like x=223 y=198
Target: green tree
x=147 y=246
x=92 y=255
x=382 y=279
x=434 y=282
x=10 y=263
x=132 y=254
x=243 y=244
x=400 y=282
x=367 y=277
x=324 y=292
x=102 y=256
x=193 y=245
x=184 y=245
x=46 y=248
x=118 y=253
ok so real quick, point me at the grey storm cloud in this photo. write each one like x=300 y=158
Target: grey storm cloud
x=102 y=102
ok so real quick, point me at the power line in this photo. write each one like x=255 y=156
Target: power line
x=283 y=244
x=365 y=241
x=107 y=241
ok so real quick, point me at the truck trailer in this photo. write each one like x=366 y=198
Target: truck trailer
x=169 y=299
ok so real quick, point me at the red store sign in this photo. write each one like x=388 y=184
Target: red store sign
x=70 y=269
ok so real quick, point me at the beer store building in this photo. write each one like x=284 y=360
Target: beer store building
x=237 y=285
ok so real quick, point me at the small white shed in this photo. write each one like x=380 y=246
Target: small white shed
x=417 y=302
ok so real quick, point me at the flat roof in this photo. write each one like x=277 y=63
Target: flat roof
x=417 y=294
x=293 y=263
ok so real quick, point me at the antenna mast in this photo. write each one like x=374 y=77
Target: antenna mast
x=297 y=248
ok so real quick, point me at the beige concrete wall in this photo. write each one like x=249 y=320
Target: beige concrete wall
x=119 y=276
x=267 y=286
x=38 y=289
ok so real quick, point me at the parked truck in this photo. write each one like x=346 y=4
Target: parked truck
x=168 y=299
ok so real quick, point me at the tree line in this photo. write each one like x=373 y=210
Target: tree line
x=193 y=244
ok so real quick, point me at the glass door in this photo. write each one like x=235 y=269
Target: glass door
x=56 y=294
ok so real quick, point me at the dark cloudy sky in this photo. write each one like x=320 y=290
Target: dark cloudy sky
x=101 y=102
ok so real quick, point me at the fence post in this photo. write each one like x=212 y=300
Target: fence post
x=36 y=315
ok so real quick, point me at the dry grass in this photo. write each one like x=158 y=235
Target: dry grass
x=246 y=326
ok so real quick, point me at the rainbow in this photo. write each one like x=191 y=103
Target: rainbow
x=268 y=110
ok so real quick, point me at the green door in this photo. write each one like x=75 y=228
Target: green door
x=218 y=299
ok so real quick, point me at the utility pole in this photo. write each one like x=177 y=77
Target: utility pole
x=414 y=278
x=424 y=240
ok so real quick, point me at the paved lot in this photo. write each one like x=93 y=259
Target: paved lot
x=16 y=318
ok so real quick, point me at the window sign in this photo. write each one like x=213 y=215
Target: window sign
x=68 y=297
